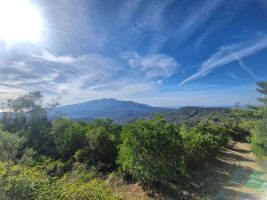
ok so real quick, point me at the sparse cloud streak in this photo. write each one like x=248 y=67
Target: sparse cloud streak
x=233 y=76
x=227 y=54
x=192 y=21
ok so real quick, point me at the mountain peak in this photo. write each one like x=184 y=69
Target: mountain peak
x=118 y=110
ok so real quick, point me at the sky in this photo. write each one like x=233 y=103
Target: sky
x=159 y=52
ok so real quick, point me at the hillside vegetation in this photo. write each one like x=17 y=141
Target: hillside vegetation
x=66 y=159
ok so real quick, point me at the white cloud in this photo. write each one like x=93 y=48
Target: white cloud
x=153 y=66
x=196 y=18
x=227 y=54
x=192 y=21
x=152 y=16
x=245 y=67
x=76 y=79
x=47 y=56
x=233 y=76
x=53 y=74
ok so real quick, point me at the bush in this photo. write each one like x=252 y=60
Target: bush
x=259 y=138
x=10 y=145
x=74 y=138
x=101 y=150
x=94 y=189
x=202 y=142
x=151 y=151
x=24 y=183
x=30 y=183
x=238 y=133
x=56 y=136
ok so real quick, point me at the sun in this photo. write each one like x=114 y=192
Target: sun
x=19 y=21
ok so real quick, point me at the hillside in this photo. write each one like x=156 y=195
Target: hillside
x=191 y=114
x=119 y=111
x=126 y=111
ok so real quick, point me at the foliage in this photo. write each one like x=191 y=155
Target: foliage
x=27 y=116
x=92 y=190
x=151 y=151
x=259 y=131
x=101 y=150
x=259 y=136
x=262 y=88
x=202 y=142
x=10 y=145
x=74 y=138
x=57 y=137
x=25 y=183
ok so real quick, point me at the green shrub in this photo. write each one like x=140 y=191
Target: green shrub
x=151 y=151
x=101 y=150
x=24 y=183
x=259 y=138
x=74 y=138
x=10 y=145
x=94 y=189
x=202 y=142
x=31 y=183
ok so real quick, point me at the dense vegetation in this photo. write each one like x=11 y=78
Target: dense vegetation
x=65 y=159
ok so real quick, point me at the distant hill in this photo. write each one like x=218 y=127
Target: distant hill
x=119 y=111
x=126 y=111
x=191 y=114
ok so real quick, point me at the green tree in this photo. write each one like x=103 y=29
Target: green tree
x=57 y=136
x=27 y=116
x=262 y=88
x=259 y=132
x=151 y=151
x=202 y=142
x=10 y=145
x=74 y=138
x=103 y=139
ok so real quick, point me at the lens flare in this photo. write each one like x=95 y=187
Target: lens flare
x=19 y=21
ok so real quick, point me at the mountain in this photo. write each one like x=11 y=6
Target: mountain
x=119 y=111
x=191 y=114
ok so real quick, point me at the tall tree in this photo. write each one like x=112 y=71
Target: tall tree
x=259 y=133
x=262 y=88
x=28 y=116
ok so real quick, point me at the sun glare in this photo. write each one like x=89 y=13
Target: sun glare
x=19 y=21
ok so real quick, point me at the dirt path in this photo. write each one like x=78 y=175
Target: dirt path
x=246 y=178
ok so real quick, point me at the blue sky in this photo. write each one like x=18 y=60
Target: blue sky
x=162 y=53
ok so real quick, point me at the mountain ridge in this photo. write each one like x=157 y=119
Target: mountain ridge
x=118 y=110
x=122 y=112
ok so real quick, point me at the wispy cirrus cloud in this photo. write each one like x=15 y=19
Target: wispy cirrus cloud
x=192 y=21
x=85 y=76
x=196 y=18
x=229 y=53
x=245 y=67
x=232 y=76
x=127 y=11
x=49 y=73
x=153 y=15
